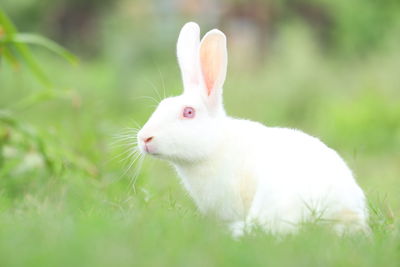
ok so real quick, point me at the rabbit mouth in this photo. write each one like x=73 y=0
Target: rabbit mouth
x=149 y=150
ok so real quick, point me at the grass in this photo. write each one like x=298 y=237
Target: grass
x=67 y=200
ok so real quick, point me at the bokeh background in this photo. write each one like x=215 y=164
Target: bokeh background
x=69 y=194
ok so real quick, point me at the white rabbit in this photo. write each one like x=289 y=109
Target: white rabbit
x=242 y=171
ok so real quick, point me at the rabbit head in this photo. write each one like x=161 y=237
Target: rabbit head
x=185 y=128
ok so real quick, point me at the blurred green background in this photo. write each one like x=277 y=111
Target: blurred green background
x=69 y=195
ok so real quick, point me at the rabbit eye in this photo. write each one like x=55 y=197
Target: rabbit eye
x=188 y=112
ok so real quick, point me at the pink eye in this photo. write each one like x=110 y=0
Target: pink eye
x=188 y=112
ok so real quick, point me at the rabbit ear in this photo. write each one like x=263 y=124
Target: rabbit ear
x=213 y=64
x=187 y=52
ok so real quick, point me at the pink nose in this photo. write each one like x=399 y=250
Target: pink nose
x=148 y=139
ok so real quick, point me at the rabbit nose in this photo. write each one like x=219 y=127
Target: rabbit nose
x=148 y=139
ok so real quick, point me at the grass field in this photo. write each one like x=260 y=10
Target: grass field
x=67 y=197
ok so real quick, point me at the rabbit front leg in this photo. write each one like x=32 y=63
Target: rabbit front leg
x=245 y=191
x=274 y=213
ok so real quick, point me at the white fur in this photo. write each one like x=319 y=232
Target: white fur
x=242 y=171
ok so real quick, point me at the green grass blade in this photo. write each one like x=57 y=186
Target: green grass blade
x=22 y=49
x=28 y=38
x=32 y=64
x=6 y=23
x=8 y=56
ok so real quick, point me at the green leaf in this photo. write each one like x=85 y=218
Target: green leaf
x=8 y=56
x=8 y=26
x=10 y=31
x=32 y=64
x=28 y=38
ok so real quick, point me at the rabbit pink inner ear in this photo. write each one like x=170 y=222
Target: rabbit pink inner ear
x=213 y=60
